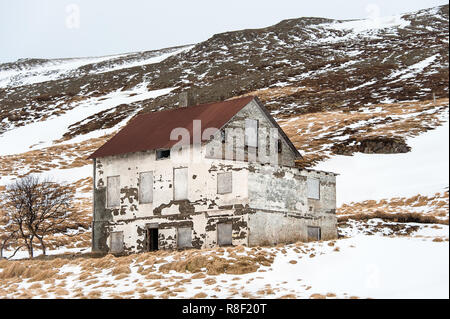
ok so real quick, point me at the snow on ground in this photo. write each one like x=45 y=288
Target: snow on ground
x=23 y=254
x=424 y=170
x=42 y=134
x=373 y=23
x=361 y=266
x=414 y=69
x=152 y=60
x=62 y=68
x=69 y=175
x=48 y=71
x=379 y=267
x=364 y=266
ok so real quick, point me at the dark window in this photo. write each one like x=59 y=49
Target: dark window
x=279 y=146
x=222 y=135
x=160 y=154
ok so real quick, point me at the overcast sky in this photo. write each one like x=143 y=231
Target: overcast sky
x=71 y=28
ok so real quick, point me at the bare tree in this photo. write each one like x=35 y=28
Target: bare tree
x=8 y=235
x=37 y=208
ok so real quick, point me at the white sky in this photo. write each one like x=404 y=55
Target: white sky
x=73 y=28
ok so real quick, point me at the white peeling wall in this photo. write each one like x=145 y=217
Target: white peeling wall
x=202 y=184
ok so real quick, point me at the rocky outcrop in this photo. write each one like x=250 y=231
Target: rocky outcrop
x=372 y=145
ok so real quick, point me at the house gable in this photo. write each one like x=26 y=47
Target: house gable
x=255 y=110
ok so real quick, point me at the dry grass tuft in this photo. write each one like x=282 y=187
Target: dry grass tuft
x=196 y=261
x=209 y=281
x=200 y=295
x=121 y=269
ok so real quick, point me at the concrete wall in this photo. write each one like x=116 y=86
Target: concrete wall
x=284 y=211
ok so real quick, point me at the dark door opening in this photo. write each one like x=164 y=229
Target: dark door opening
x=314 y=233
x=152 y=239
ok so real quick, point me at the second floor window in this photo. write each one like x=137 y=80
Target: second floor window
x=180 y=183
x=146 y=187
x=161 y=154
x=313 y=188
x=224 y=183
x=113 y=191
x=251 y=133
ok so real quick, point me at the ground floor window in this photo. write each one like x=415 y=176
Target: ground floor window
x=314 y=233
x=224 y=183
x=224 y=234
x=313 y=188
x=184 y=237
x=116 y=245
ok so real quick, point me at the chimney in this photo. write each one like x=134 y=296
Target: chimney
x=186 y=99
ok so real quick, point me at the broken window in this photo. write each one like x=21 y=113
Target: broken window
x=279 y=146
x=116 y=245
x=161 y=154
x=224 y=183
x=313 y=185
x=184 y=238
x=251 y=133
x=113 y=191
x=146 y=187
x=180 y=176
x=314 y=233
x=224 y=234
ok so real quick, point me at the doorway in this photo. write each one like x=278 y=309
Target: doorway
x=314 y=233
x=152 y=239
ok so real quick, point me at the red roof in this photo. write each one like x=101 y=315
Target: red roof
x=152 y=130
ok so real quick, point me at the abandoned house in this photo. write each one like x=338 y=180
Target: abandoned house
x=147 y=196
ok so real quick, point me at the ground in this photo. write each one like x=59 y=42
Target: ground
x=360 y=266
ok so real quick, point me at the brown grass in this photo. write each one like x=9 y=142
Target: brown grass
x=396 y=217
x=304 y=129
x=435 y=209
x=194 y=261
x=209 y=281
x=200 y=295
